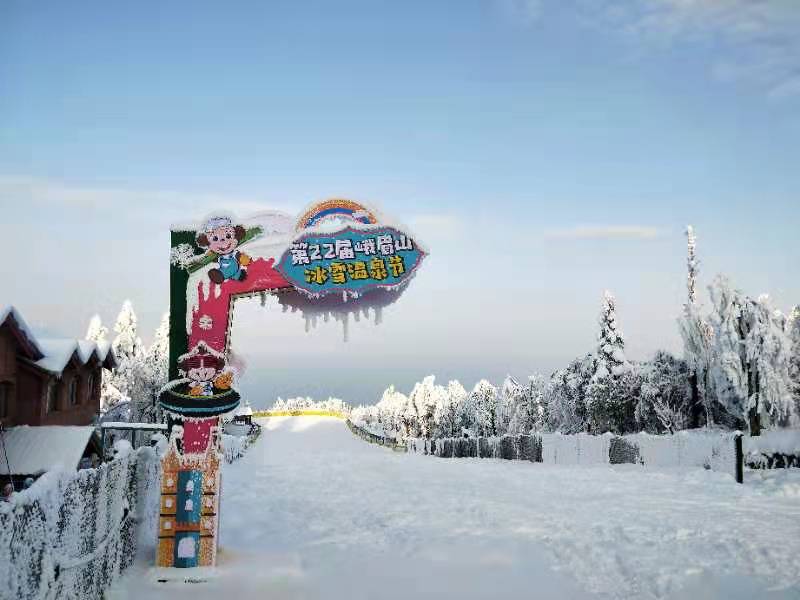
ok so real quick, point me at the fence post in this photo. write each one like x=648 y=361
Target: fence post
x=739 y=458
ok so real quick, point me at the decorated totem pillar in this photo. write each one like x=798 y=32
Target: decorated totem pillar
x=338 y=258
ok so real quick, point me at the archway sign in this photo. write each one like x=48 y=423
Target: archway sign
x=338 y=258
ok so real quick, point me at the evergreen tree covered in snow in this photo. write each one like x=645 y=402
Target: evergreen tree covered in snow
x=109 y=394
x=127 y=347
x=609 y=406
x=96 y=331
x=611 y=359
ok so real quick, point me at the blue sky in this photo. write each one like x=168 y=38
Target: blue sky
x=545 y=151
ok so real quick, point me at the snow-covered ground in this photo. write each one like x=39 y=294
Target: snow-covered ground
x=314 y=512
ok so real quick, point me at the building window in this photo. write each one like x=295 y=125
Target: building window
x=50 y=401
x=72 y=392
x=97 y=390
x=5 y=399
x=90 y=388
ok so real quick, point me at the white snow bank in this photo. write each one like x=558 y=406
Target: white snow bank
x=708 y=449
x=777 y=441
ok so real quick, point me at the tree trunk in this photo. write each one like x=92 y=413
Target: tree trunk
x=755 y=421
x=696 y=405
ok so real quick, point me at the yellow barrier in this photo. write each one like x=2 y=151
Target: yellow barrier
x=300 y=413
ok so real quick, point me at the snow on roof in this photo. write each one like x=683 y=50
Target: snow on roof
x=57 y=352
x=243 y=410
x=33 y=450
x=9 y=310
x=103 y=349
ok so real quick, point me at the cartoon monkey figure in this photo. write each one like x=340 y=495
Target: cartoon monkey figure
x=205 y=371
x=222 y=238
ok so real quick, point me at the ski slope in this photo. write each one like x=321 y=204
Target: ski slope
x=314 y=512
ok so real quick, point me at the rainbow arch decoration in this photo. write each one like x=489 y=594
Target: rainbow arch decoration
x=335 y=208
x=338 y=256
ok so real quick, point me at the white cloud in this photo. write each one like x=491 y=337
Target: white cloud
x=759 y=38
x=604 y=232
x=163 y=205
x=752 y=41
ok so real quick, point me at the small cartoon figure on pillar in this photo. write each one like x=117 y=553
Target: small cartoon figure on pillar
x=222 y=237
x=204 y=368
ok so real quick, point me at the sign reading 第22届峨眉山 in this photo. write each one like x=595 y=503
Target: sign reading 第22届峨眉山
x=350 y=260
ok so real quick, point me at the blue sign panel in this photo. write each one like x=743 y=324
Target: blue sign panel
x=350 y=260
x=187 y=549
x=189 y=496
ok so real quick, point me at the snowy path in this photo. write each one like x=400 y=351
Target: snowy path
x=313 y=512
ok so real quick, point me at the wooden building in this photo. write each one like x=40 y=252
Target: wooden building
x=48 y=381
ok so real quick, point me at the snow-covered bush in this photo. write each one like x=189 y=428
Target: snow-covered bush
x=235 y=446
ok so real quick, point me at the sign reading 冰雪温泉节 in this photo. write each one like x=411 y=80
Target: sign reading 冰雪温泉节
x=350 y=260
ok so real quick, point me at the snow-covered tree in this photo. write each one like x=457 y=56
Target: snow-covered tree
x=793 y=331
x=509 y=398
x=752 y=360
x=565 y=396
x=484 y=399
x=460 y=405
x=127 y=347
x=152 y=374
x=610 y=342
x=529 y=405
x=96 y=331
x=109 y=394
x=409 y=419
x=390 y=411
x=664 y=402
x=468 y=415
x=767 y=364
x=692 y=265
x=697 y=335
x=727 y=364
x=423 y=399
x=448 y=410
x=608 y=404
